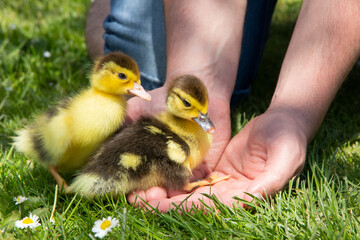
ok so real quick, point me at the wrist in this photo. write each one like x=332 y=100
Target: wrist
x=204 y=39
x=303 y=119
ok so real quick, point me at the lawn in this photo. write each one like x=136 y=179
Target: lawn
x=43 y=58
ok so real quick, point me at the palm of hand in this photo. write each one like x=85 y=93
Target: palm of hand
x=261 y=159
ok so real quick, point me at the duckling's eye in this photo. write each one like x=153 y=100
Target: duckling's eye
x=186 y=103
x=122 y=76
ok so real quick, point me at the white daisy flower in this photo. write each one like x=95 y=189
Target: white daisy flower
x=28 y=222
x=47 y=54
x=102 y=227
x=2 y=230
x=19 y=199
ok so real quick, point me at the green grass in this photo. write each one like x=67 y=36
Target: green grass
x=322 y=204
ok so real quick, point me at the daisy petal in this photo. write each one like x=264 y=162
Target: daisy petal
x=19 y=199
x=103 y=226
x=28 y=222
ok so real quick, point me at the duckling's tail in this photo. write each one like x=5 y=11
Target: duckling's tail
x=90 y=185
x=23 y=142
x=84 y=185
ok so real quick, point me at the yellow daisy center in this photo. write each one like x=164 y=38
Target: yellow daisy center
x=28 y=221
x=105 y=224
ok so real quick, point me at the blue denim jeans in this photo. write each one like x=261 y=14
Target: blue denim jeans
x=137 y=28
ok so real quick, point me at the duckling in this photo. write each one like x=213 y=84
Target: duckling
x=157 y=150
x=64 y=137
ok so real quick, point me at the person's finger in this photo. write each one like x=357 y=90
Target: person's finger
x=223 y=190
x=136 y=197
x=150 y=194
x=182 y=201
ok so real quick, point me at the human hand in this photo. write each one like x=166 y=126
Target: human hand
x=261 y=159
x=265 y=155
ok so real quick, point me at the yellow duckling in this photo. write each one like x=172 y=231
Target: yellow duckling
x=155 y=151
x=64 y=137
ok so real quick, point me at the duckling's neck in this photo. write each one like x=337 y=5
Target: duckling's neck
x=107 y=95
x=182 y=127
x=197 y=139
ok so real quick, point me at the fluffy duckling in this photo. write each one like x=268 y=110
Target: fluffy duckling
x=64 y=137
x=154 y=151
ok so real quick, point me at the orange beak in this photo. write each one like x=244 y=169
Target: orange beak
x=139 y=91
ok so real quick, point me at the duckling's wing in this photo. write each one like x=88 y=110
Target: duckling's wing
x=164 y=153
x=143 y=155
x=47 y=138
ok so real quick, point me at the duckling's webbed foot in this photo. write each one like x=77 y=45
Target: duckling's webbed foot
x=59 y=180
x=205 y=182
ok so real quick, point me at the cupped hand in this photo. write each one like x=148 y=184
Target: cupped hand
x=261 y=160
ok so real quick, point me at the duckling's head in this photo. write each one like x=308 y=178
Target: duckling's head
x=188 y=99
x=116 y=73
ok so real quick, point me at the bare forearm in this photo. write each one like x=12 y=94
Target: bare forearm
x=204 y=38
x=324 y=47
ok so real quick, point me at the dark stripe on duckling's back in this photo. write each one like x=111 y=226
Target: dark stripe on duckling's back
x=64 y=104
x=38 y=145
x=146 y=138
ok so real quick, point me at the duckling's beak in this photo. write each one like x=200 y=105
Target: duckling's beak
x=139 y=91
x=205 y=123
